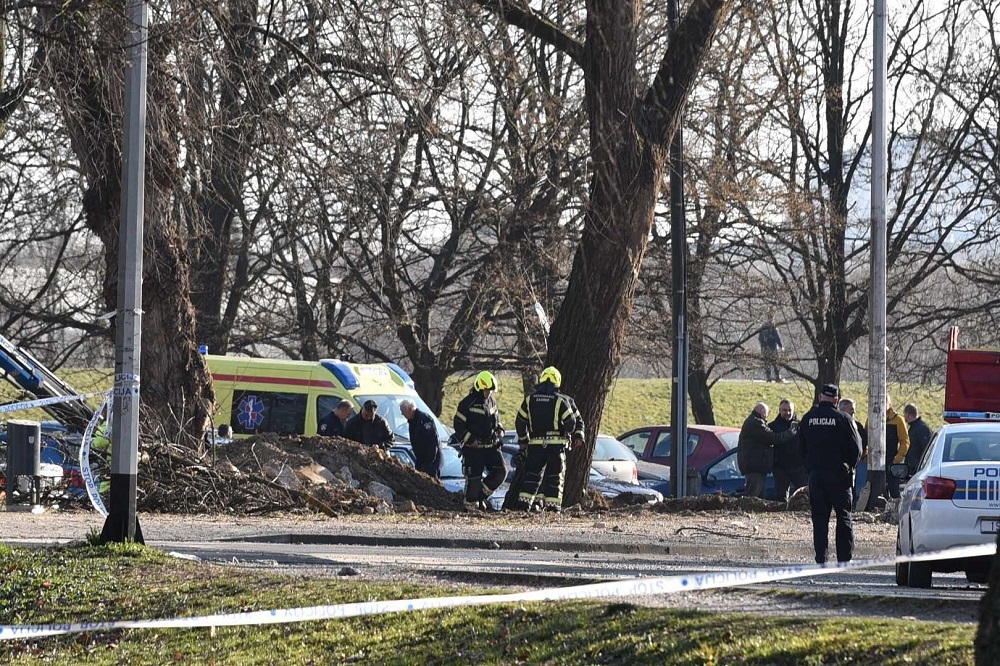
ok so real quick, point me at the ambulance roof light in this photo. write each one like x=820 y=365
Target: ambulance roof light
x=402 y=375
x=342 y=372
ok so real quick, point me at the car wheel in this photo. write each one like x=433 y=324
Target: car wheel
x=902 y=569
x=920 y=574
x=978 y=576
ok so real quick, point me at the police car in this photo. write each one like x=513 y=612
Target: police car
x=952 y=500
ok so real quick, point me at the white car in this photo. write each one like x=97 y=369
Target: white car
x=952 y=500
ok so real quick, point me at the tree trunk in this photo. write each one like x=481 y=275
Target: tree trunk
x=86 y=74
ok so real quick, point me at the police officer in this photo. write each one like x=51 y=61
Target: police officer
x=478 y=428
x=423 y=438
x=831 y=448
x=545 y=421
x=332 y=425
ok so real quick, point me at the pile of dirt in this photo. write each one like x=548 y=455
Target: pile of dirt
x=271 y=473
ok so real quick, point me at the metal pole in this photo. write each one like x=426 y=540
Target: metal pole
x=877 y=342
x=678 y=259
x=121 y=523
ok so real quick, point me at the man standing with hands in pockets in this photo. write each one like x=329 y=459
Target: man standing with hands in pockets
x=831 y=448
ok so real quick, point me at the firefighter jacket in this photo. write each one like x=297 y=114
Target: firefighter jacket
x=477 y=421
x=897 y=437
x=547 y=416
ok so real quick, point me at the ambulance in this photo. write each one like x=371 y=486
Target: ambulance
x=256 y=395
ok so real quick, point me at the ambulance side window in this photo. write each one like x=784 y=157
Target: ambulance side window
x=266 y=411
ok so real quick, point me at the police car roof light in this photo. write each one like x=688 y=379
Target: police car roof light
x=402 y=375
x=342 y=372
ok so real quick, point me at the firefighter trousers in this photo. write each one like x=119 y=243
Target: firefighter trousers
x=545 y=473
x=475 y=461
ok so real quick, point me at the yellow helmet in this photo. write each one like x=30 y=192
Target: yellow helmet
x=550 y=374
x=486 y=380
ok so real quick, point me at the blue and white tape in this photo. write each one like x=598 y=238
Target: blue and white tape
x=44 y=402
x=93 y=491
x=631 y=588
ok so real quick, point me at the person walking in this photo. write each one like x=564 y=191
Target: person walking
x=920 y=436
x=789 y=471
x=546 y=421
x=423 y=439
x=478 y=428
x=831 y=448
x=369 y=428
x=770 y=349
x=332 y=425
x=755 y=451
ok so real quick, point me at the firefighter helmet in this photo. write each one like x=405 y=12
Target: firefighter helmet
x=550 y=374
x=486 y=381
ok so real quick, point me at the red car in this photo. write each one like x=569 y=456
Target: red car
x=705 y=443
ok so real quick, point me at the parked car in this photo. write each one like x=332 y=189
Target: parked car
x=952 y=499
x=608 y=487
x=611 y=458
x=705 y=443
x=723 y=476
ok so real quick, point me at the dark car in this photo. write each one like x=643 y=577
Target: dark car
x=705 y=443
x=723 y=476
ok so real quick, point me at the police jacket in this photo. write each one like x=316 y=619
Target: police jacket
x=374 y=433
x=331 y=426
x=477 y=421
x=424 y=441
x=897 y=437
x=786 y=454
x=755 y=453
x=831 y=445
x=547 y=416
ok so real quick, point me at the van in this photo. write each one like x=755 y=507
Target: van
x=256 y=395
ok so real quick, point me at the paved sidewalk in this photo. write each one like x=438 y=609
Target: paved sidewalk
x=747 y=537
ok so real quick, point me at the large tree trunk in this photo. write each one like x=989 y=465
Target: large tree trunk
x=86 y=74
x=629 y=137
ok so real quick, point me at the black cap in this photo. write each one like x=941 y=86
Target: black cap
x=830 y=390
x=370 y=404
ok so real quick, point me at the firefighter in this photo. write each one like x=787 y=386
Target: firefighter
x=478 y=428
x=545 y=422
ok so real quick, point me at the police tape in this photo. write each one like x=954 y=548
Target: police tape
x=44 y=402
x=629 y=588
x=93 y=489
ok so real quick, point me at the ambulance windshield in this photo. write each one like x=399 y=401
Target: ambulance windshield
x=388 y=408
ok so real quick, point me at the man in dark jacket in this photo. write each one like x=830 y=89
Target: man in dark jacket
x=368 y=427
x=423 y=439
x=789 y=472
x=477 y=425
x=831 y=447
x=755 y=453
x=920 y=436
x=770 y=349
x=332 y=425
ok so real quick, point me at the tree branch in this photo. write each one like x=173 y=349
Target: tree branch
x=517 y=13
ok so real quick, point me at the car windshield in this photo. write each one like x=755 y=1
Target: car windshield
x=609 y=448
x=451 y=464
x=388 y=408
x=730 y=439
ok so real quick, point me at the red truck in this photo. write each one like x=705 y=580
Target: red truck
x=972 y=383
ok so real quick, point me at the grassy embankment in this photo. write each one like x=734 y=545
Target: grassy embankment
x=94 y=584
x=631 y=402
x=636 y=402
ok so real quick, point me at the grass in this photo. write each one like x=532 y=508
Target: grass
x=636 y=402
x=87 y=583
